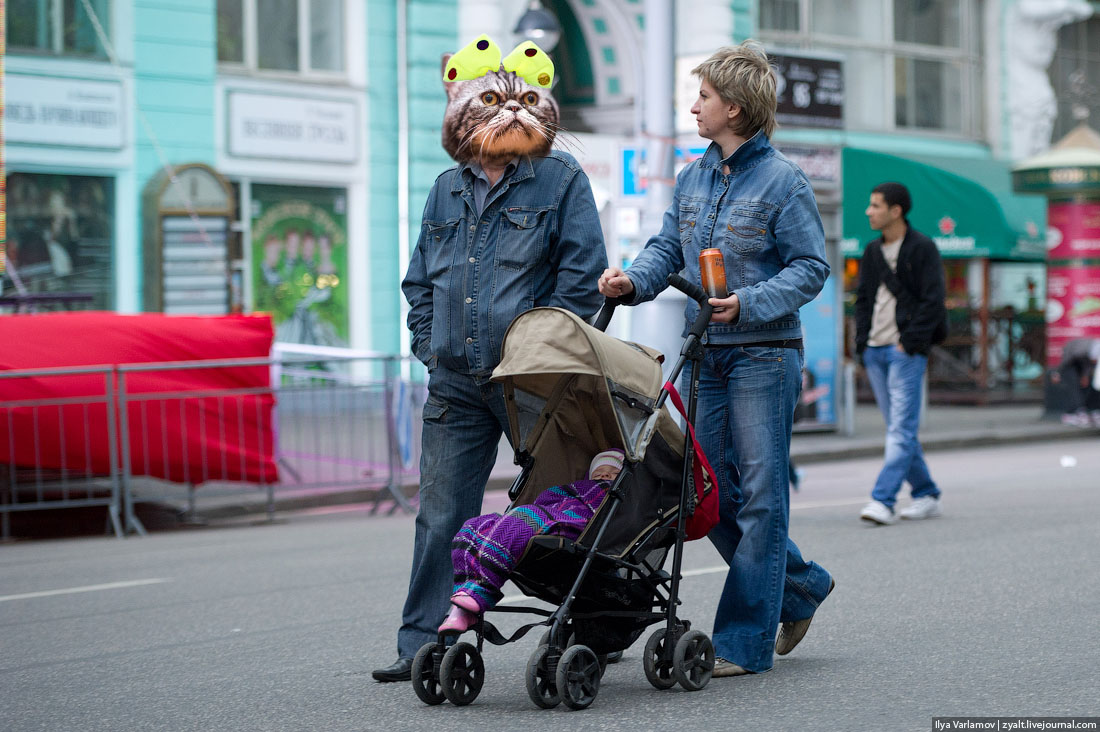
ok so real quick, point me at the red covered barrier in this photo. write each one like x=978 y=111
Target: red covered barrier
x=185 y=423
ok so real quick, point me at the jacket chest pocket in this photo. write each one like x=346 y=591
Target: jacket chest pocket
x=689 y=217
x=522 y=235
x=747 y=228
x=441 y=240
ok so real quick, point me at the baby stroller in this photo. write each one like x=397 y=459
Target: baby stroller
x=572 y=391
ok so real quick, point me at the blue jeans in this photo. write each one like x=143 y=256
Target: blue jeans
x=896 y=378
x=464 y=417
x=747 y=396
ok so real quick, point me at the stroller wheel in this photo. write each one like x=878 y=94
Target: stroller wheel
x=657 y=660
x=425 y=673
x=540 y=678
x=462 y=674
x=693 y=660
x=604 y=658
x=578 y=677
x=615 y=656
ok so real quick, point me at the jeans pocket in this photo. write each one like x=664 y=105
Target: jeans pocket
x=439 y=242
x=686 y=223
x=766 y=354
x=747 y=227
x=522 y=235
x=435 y=409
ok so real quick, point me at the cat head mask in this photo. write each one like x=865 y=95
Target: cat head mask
x=498 y=108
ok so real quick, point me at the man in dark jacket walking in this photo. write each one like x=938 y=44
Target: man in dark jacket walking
x=900 y=313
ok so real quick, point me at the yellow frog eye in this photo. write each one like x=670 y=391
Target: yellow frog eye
x=476 y=59
x=530 y=99
x=490 y=99
x=530 y=62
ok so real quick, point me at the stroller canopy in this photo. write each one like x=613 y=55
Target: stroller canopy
x=567 y=382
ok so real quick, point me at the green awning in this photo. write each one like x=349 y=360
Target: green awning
x=965 y=204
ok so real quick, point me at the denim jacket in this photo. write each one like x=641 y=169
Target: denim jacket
x=764 y=218
x=538 y=242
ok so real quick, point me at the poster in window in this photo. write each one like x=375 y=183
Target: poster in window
x=299 y=262
x=809 y=90
x=59 y=231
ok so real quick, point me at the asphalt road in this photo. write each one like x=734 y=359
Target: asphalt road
x=992 y=609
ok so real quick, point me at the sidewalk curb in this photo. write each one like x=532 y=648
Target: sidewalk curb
x=866 y=448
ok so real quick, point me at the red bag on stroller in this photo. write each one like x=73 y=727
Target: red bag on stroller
x=705 y=516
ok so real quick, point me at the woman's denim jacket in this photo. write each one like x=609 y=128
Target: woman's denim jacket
x=537 y=242
x=764 y=219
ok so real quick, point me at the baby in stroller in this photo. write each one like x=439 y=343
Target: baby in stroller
x=487 y=548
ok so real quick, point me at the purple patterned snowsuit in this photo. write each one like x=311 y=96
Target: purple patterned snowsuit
x=487 y=548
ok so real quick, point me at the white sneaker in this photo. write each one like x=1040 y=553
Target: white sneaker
x=1077 y=419
x=923 y=508
x=877 y=512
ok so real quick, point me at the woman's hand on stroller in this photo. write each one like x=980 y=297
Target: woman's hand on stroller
x=614 y=283
x=726 y=309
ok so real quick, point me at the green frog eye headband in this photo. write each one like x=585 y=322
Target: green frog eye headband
x=481 y=56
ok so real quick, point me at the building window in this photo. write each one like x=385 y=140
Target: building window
x=909 y=64
x=291 y=36
x=60 y=232
x=57 y=27
x=1075 y=75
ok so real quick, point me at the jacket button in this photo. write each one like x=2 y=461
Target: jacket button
x=469 y=300
x=472 y=260
x=473 y=227
x=469 y=340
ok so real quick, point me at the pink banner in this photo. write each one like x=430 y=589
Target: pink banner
x=1073 y=307
x=1073 y=287
x=1075 y=230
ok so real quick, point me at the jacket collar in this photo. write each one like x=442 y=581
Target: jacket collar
x=910 y=236
x=750 y=152
x=524 y=170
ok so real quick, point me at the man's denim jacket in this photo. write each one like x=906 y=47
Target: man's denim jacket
x=538 y=242
x=764 y=218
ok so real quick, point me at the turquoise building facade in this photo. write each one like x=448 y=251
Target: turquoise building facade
x=321 y=119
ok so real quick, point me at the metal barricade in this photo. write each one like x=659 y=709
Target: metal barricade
x=161 y=433
x=332 y=421
x=50 y=438
x=338 y=422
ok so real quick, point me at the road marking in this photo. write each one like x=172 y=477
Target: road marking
x=86 y=588
x=707 y=570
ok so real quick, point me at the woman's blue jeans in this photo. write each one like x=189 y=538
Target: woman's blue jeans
x=896 y=379
x=747 y=396
x=464 y=418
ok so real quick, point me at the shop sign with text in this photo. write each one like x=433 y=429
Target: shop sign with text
x=44 y=110
x=292 y=128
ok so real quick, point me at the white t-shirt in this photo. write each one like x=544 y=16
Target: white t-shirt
x=884 y=323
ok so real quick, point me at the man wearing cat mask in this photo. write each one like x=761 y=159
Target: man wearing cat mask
x=511 y=227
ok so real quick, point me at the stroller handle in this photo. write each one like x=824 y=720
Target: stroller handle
x=606 y=311
x=690 y=289
x=603 y=318
x=697 y=294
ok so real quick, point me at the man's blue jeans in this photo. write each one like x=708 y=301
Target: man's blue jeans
x=464 y=418
x=747 y=396
x=896 y=379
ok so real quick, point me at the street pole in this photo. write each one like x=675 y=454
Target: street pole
x=659 y=323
